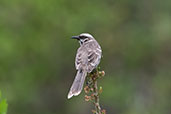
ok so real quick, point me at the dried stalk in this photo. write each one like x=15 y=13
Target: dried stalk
x=92 y=91
x=96 y=97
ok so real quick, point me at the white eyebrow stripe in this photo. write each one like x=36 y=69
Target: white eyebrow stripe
x=87 y=35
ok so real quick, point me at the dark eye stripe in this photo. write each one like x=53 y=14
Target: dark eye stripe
x=85 y=40
x=83 y=37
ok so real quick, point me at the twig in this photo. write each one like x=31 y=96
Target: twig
x=92 y=91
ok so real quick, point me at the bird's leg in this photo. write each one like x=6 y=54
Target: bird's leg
x=94 y=71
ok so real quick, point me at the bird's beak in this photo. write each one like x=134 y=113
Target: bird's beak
x=76 y=37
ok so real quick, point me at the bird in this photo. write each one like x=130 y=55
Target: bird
x=87 y=59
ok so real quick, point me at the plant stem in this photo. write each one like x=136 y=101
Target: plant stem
x=96 y=97
x=92 y=91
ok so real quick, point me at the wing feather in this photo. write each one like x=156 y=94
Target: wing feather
x=88 y=56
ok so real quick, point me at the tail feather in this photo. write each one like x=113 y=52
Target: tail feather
x=78 y=83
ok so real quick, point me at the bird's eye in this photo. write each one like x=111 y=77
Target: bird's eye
x=85 y=40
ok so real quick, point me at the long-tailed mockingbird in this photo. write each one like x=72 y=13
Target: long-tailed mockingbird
x=87 y=58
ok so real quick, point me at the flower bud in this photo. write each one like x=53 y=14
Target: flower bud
x=100 y=90
x=87 y=98
x=86 y=89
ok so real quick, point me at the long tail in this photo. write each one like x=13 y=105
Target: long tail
x=78 y=83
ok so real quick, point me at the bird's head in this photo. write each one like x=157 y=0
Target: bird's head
x=84 y=37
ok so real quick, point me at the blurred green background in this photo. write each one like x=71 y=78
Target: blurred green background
x=3 y=105
x=37 y=55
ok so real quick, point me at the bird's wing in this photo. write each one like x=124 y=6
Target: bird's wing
x=94 y=57
x=81 y=57
x=88 y=56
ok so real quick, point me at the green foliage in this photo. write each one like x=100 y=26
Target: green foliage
x=3 y=105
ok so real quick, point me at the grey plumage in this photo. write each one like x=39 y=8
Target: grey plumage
x=87 y=58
